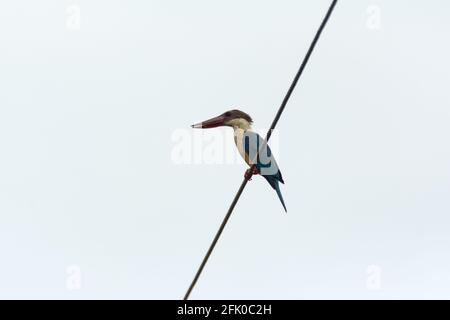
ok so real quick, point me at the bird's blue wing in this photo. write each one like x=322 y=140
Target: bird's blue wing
x=265 y=162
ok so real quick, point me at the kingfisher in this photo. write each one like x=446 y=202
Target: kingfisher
x=249 y=143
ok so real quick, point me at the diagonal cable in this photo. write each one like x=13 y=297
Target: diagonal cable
x=269 y=133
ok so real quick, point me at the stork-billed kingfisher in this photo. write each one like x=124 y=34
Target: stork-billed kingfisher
x=248 y=143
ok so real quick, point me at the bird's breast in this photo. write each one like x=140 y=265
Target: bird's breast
x=239 y=135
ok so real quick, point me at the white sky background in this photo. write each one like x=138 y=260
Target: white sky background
x=88 y=183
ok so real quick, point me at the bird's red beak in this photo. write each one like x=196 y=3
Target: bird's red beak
x=211 y=123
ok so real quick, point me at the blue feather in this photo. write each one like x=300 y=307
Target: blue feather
x=274 y=183
x=251 y=146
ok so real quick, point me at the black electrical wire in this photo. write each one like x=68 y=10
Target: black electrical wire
x=269 y=133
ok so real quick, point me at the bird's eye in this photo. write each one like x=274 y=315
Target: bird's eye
x=227 y=114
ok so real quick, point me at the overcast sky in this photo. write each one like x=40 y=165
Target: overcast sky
x=106 y=191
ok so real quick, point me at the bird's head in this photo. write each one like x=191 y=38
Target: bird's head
x=233 y=118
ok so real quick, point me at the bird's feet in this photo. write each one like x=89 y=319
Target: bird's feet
x=250 y=172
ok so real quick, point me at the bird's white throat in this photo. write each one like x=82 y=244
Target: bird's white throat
x=240 y=126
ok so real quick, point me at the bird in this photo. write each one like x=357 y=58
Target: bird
x=261 y=162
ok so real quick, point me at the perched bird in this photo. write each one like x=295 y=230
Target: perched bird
x=249 y=144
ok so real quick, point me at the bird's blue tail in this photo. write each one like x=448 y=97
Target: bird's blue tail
x=277 y=188
x=274 y=183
